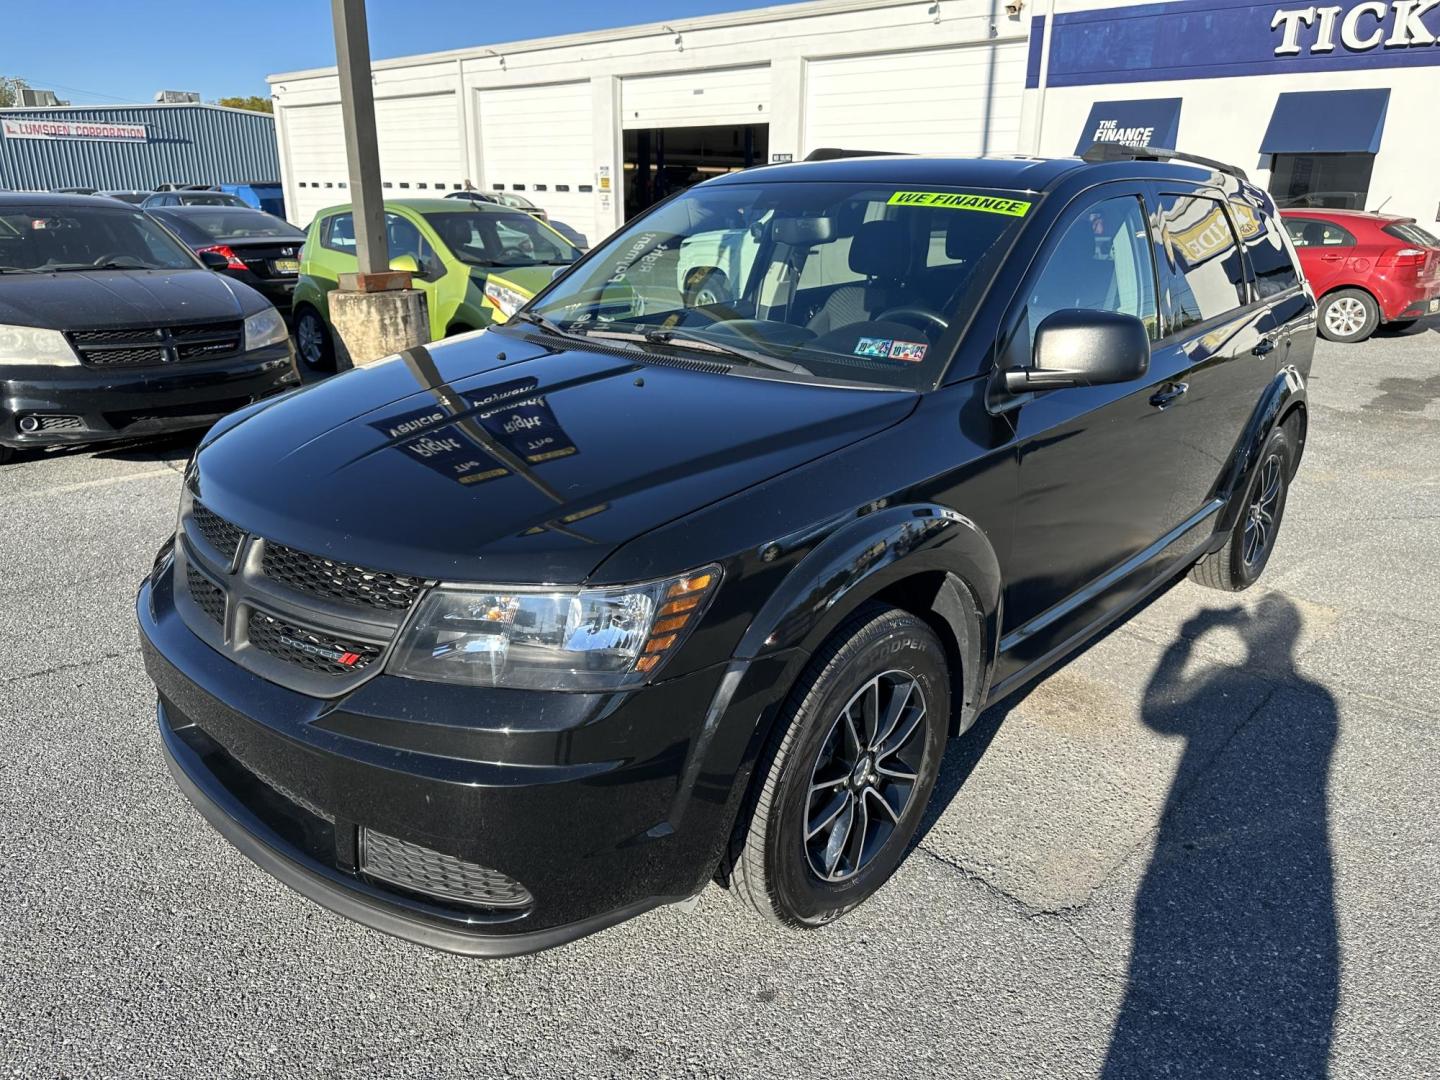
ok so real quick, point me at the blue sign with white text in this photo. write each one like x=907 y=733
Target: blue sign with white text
x=1142 y=122
x=1208 y=39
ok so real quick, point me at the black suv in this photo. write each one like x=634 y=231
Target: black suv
x=688 y=571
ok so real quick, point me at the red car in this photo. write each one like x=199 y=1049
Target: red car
x=1366 y=269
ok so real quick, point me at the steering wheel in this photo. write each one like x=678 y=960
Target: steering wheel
x=918 y=314
x=114 y=256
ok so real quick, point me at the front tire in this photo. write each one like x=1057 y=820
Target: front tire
x=1242 y=560
x=844 y=780
x=1348 y=315
x=7 y=454
x=312 y=341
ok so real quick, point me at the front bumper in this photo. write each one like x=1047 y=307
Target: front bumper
x=601 y=806
x=73 y=405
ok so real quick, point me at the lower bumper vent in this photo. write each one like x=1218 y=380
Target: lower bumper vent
x=423 y=870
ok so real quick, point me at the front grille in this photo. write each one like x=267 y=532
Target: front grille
x=108 y=357
x=423 y=870
x=312 y=650
x=208 y=597
x=346 y=582
x=219 y=533
x=144 y=346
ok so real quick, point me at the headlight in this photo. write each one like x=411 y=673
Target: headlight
x=544 y=639
x=265 y=328
x=32 y=345
x=507 y=300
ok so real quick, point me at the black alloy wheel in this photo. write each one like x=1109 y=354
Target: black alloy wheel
x=842 y=784
x=865 y=775
x=1248 y=546
x=1261 y=519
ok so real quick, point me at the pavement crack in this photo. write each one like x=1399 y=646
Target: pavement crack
x=88 y=662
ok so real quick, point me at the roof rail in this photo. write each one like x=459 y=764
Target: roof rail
x=1100 y=152
x=831 y=153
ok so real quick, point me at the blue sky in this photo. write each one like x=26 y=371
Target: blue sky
x=108 y=51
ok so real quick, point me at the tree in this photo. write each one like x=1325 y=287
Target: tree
x=254 y=103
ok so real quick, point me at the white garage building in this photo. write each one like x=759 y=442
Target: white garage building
x=1329 y=104
x=579 y=123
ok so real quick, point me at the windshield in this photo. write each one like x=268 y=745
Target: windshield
x=223 y=224
x=486 y=238
x=853 y=282
x=46 y=238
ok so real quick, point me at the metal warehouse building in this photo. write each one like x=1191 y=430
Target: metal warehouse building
x=1328 y=104
x=135 y=147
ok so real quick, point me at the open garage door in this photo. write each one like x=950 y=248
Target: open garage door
x=538 y=141
x=419 y=145
x=317 y=160
x=686 y=127
x=962 y=100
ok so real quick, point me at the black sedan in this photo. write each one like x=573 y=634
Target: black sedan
x=259 y=249
x=110 y=328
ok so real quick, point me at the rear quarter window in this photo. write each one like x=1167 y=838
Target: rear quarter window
x=1265 y=246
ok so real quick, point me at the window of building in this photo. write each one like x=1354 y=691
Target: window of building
x=1337 y=181
x=1207 y=274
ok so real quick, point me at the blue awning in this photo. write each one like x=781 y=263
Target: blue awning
x=1327 y=122
x=1138 y=122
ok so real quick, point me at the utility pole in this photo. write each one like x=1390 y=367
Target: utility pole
x=374 y=312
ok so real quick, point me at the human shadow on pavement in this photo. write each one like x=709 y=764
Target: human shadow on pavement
x=1235 y=963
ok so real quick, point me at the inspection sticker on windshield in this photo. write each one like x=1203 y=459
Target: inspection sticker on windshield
x=911 y=352
x=959 y=200
x=873 y=346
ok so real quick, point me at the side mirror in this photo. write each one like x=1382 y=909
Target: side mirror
x=405 y=263
x=1076 y=347
x=213 y=260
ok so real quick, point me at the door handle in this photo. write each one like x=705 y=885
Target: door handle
x=1169 y=394
x=1331 y=257
x=1263 y=346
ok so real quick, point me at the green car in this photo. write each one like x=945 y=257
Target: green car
x=475 y=263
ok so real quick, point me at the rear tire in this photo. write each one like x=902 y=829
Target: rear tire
x=1348 y=315
x=312 y=340
x=1239 y=564
x=843 y=782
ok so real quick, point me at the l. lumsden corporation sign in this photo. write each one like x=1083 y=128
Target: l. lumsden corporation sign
x=1208 y=39
x=15 y=128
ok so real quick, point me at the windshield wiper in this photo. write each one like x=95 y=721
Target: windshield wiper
x=669 y=335
x=534 y=318
x=21 y=270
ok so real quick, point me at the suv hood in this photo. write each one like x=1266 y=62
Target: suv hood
x=102 y=299
x=496 y=458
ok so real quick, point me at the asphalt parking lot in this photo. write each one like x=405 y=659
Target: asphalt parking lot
x=1207 y=847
